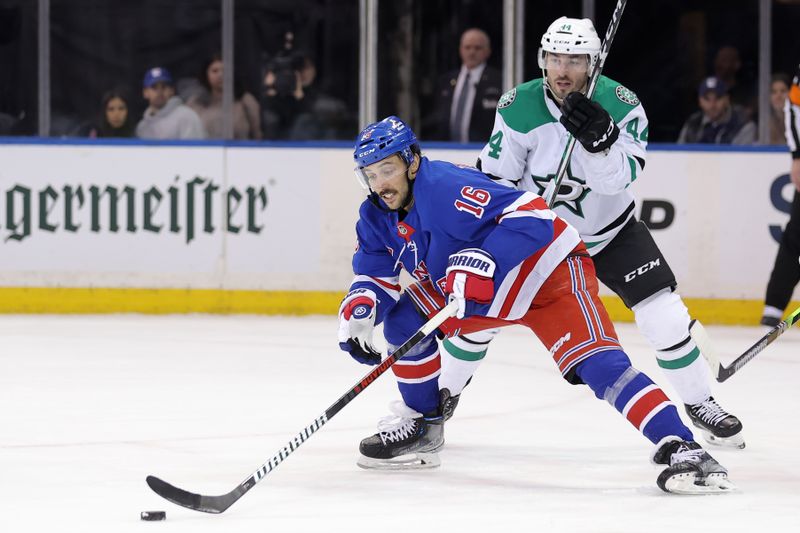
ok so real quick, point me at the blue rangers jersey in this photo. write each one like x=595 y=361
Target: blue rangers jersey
x=456 y=208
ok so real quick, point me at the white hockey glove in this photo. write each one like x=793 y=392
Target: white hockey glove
x=470 y=281
x=356 y=322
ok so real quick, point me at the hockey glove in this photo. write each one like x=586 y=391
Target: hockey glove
x=356 y=322
x=470 y=281
x=588 y=122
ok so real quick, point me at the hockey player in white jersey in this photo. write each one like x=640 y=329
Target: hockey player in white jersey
x=529 y=137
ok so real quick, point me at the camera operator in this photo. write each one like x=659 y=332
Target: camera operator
x=293 y=106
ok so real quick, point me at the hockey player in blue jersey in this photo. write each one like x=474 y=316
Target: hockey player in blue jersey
x=505 y=258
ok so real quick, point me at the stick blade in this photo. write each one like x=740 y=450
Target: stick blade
x=190 y=500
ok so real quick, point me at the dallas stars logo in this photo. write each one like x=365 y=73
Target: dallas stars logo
x=570 y=194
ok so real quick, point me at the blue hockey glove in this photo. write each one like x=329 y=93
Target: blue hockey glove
x=356 y=322
x=588 y=122
x=470 y=281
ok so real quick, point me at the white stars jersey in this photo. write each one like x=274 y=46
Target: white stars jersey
x=528 y=141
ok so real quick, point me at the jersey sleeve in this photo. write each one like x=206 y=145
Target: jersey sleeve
x=792 y=122
x=374 y=268
x=504 y=157
x=508 y=224
x=611 y=172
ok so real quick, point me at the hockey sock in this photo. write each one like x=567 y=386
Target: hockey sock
x=664 y=320
x=417 y=378
x=461 y=357
x=612 y=378
x=418 y=370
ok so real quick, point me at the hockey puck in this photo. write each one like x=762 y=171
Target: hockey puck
x=152 y=516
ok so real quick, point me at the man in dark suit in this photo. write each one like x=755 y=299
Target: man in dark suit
x=466 y=98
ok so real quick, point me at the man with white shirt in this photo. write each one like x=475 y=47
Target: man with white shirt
x=466 y=98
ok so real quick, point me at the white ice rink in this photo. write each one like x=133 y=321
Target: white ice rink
x=92 y=404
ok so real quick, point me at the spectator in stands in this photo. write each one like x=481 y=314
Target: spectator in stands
x=466 y=98
x=718 y=121
x=778 y=91
x=167 y=117
x=114 y=118
x=294 y=106
x=208 y=104
x=728 y=67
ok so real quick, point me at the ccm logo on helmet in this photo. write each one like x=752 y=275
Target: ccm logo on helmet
x=642 y=269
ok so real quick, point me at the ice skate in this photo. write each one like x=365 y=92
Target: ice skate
x=447 y=403
x=717 y=426
x=406 y=440
x=690 y=470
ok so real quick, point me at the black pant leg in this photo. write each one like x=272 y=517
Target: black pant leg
x=786 y=271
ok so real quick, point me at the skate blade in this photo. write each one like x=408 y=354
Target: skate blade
x=412 y=461
x=734 y=441
x=690 y=483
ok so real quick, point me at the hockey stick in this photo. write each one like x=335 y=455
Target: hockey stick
x=721 y=372
x=218 y=504
x=552 y=194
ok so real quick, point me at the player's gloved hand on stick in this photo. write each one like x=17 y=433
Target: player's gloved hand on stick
x=356 y=322
x=470 y=281
x=588 y=122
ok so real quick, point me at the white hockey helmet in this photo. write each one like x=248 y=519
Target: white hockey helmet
x=571 y=36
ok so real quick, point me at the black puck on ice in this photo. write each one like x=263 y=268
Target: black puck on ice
x=151 y=516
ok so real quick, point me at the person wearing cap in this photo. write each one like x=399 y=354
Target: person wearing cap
x=717 y=121
x=167 y=117
x=786 y=270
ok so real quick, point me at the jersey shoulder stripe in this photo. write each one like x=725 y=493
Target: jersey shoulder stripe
x=523 y=108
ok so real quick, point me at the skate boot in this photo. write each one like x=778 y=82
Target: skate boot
x=716 y=424
x=447 y=404
x=406 y=440
x=690 y=469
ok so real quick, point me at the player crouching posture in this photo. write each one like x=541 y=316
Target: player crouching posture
x=506 y=259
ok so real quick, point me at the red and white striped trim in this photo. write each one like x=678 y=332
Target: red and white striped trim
x=425 y=297
x=418 y=371
x=390 y=286
x=644 y=405
x=522 y=283
x=527 y=205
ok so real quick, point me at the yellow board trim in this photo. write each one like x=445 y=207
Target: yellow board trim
x=217 y=301
x=166 y=301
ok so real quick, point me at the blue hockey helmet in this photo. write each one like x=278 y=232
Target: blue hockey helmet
x=383 y=139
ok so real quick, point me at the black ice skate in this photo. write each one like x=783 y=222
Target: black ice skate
x=447 y=403
x=716 y=424
x=405 y=440
x=690 y=469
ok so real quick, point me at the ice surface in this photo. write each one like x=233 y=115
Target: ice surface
x=92 y=404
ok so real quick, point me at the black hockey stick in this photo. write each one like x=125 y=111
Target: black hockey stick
x=598 y=68
x=721 y=373
x=218 y=504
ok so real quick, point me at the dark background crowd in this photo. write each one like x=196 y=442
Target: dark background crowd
x=693 y=64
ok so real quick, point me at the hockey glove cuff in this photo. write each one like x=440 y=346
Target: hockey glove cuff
x=470 y=280
x=356 y=322
x=588 y=122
